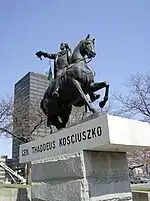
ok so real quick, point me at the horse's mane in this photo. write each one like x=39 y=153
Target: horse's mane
x=77 y=46
x=76 y=49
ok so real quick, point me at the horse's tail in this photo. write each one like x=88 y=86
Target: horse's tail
x=43 y=107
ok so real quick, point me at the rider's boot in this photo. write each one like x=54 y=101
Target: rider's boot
x=94 y=97
x=55 y=93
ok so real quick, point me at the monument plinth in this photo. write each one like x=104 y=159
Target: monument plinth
x=104 y=133
x=87 y=161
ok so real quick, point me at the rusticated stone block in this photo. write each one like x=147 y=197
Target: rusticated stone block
x=83 y=176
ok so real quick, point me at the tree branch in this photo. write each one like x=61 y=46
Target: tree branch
x=136 y=166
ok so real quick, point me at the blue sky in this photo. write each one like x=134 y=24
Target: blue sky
x=121 y=28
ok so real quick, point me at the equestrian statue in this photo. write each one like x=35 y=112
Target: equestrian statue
x=73 y=80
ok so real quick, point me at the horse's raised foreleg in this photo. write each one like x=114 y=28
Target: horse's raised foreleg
x=97 y=86
x=83 y=96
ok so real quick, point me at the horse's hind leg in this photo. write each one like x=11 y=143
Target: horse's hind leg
x=82 y=95
x=97 y=86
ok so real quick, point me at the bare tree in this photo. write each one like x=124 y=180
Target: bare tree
x=20 y=123
x=6 y=111
x=136 y=104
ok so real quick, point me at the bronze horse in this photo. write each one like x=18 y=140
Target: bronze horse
x=75 y=84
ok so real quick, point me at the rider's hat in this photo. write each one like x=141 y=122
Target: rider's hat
x=66 y=44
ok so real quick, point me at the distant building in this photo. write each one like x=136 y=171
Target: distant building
x=4 y=175
x=29 y=90
x=138 y=171
x=142 y=171
x=8 y=178
x=2 y=171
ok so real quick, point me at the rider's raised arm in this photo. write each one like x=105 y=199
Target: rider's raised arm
x=49 y=55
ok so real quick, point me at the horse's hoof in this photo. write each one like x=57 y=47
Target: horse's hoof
x=94 y=97
x=102 y=104
x=93 y=110
x=97 y=96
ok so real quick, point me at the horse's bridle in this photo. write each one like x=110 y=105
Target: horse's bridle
x=83 y=59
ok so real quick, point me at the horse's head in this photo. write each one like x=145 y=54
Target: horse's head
x=88 y=47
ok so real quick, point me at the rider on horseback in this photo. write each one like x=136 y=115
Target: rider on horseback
x=62 y=60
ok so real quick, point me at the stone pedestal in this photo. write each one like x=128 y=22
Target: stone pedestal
x=82 y=176
x=86 y=162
